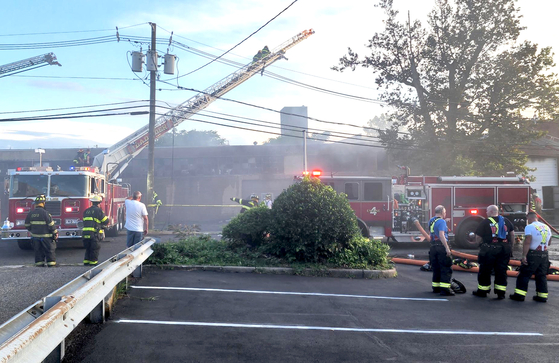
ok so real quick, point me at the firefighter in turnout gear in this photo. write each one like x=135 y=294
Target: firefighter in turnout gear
x=93 y=222
x=535 y=259
x=247 y=204
x=439 y=253
x=43 y=233
x=496 y=236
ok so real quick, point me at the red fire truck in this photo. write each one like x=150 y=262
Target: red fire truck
x=386 y=207
x=67 y=194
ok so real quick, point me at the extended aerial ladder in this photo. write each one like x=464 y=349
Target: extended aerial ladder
x=116 y=158
x=22 y=65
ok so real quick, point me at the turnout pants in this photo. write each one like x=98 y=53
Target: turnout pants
x=92 y=247
x=441 y=264
x=538 y=264
x=44 y=249
x=495 y=256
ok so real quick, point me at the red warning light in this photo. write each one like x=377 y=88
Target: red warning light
x=473 y=211
x=316 y=173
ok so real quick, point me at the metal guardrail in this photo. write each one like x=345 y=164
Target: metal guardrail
x=38 y=332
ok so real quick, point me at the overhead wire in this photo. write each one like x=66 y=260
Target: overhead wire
x=71 y=31
x=241 y=42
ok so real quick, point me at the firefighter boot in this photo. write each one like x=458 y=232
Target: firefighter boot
x=447 y=292
x=516 y=297
x=539 y=299
x=500 y=295
x=479 y=293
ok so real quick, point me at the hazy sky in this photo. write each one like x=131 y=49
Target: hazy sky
x=212 y=26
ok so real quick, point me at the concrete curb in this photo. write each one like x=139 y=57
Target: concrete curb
x=340 y=273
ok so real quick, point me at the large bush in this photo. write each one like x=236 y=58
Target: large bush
x=311 y=222
x=249 y=228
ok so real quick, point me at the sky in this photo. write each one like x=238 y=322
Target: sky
x=100 y=74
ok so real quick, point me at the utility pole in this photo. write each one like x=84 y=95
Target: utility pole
x=151 y=130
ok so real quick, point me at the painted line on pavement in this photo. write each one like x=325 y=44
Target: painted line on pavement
x=301 y=327
x=285 y=293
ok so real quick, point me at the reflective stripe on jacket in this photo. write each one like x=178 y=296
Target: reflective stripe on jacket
x=93 y=220
x=39 y=222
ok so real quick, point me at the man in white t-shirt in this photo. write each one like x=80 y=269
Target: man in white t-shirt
x=535 y=259
x=136 y=219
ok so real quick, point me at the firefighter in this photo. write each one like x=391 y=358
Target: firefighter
x=535 y=259
x=495 y=236
x=78 y=159
x=268 y=201
x=247 y=204
x=439 y=253
x=43 y=233
x=93 y=222
x=257 y=57
x=265 y=51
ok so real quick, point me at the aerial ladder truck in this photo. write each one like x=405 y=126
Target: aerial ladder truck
x=68 y=192
x=23 y=65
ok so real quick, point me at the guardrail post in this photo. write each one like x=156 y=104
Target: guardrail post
x=137 y=273
x=58 y=353
x=97 y=315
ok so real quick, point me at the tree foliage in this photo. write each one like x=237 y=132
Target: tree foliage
x=191 y=138
x=462 y=87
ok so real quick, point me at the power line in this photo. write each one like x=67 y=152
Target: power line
x=242 y=41
x=71 y=31
x=75 y=107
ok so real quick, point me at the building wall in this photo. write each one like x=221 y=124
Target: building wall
x=294 y=125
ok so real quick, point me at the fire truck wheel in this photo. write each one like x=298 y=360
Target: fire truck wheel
x=25 y=244
x=364 y=229
x=465 y=238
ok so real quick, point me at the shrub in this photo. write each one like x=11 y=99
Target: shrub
x=362 y=253
x=249 y=228
x=311 y=222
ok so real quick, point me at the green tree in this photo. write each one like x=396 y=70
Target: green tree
x=191 y=138
x=462 y=87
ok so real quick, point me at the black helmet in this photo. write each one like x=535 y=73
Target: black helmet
x=457 y=286
x=40 y=199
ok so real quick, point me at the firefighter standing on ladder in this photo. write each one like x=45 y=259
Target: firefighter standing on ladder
x=496 y=236
x=535 y=259
x=93 y=222
x=43 y=233
x=439 y=253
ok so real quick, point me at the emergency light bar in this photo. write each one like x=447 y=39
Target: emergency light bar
x=474 y=211
x=314 y=173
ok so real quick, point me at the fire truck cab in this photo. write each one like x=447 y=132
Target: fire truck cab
x=386 y=207
x=67 y=197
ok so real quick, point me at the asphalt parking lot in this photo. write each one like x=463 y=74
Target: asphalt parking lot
x=197 y=316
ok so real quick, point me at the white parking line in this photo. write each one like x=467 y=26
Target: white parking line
x=285 y=293
x=301 y=327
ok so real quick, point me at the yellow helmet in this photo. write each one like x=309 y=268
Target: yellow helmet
x=96 y=199
x=40 y=199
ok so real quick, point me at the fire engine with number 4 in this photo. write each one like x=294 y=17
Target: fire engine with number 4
x=387 y=207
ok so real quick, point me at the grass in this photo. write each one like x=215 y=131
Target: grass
x=206 y=251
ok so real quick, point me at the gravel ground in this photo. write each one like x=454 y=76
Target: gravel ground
x=30 y=284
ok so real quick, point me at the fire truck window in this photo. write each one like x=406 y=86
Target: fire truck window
x=28 y=185
x=373 y=192
x=68 y=185
x=352 y=191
